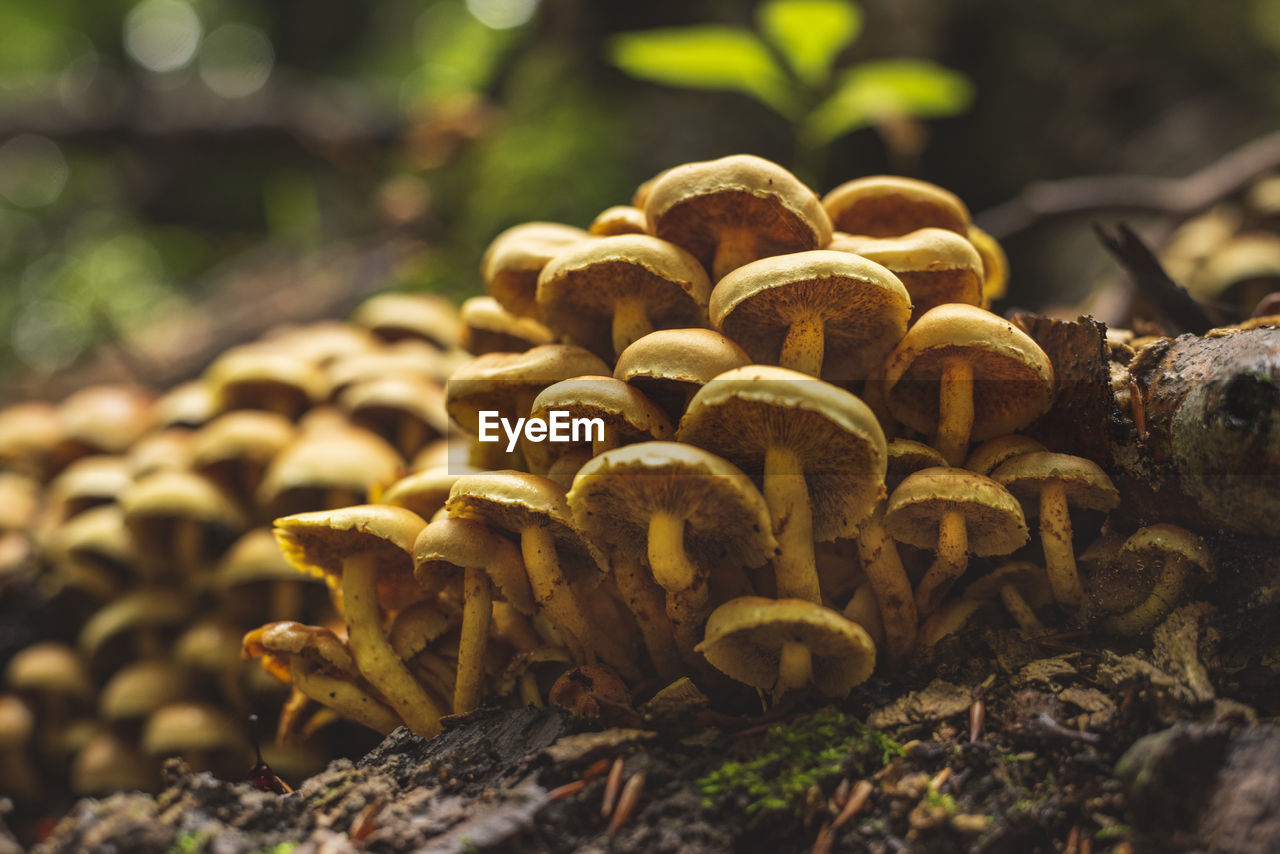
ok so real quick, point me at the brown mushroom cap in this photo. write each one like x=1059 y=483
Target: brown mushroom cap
x=619 y=219
x=512 y=501
x=423 y=492
x=49 y=668
x=235 y=449
x=735 y=209
x=745 y=637
x=743 y=412
x=96 y=538
x=397 y=316
x=1154 y=561
x=508 y=382
x=323 y=342
x=407 y=411
x=906 y=456
x=935 y=265
x=139 y=688
x=407 y=358
x=487 y=327
x=107 y=418
x=859 y=307
x=265 y=376
x=141 y=609
x=605 y=293
x=995 y=265
x=1012 y=377
x=323 y=462
x=87 y=483
x=627 y=415
x=992 y=453
x=152 y=504
x=511 y=264
x=444 y=549
x=1087 y=485
x=891 y=205
x=1031 y=582
x=19 y=502
x=187 y=727
x=993 y=517
x=670 y=365
x=317 y=543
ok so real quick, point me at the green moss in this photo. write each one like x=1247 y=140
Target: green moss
x=190 y=842
x=797 y=756
x=1115 y=832
x=937 y=799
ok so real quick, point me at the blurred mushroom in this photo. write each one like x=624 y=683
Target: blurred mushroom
x=891 y=205
x=399 y=316
x=327 y=467
x=202 y=734
x=936 y=266
x=139 y=689
x=487 y=327
x=180 y=523
x=424 y=492
x=407 y=411
x=995 y=265
x=670 y=365
x=17 y=725
x=819 y=451
x=170 y=448
x=264 y=376
x=351 y=547
x=511 y=264
x=255 y=583
x=139 y=624
x=735 y=210
x=235 y=449
x=1162 y=559
x=619 y=219
x=109 y=764
x=962 y=374
x=828 y=314
x=31 y=435
x=105 y=419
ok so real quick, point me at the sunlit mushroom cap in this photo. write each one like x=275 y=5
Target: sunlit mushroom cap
x=396 y=316
x=253 y=558
x=741 y=413
x=19 y=502
x=1156 y=542
x=892 y=205
x=169 y=448
x=619 y=219
x=579 y=287
x=265 y=376
x=29 y=437
x=935 y=265
x=993 y=517
x=279 y=640
x=725 y=517
x=1086 y=484
x=487 y=327
x=97 y=535
x=50 y=668
x=695 y=204
x=251 y=436
x=189 y=404
x=511 y=264
x=995 y=265
x=447 y=547
x=745 y=636
x=319 y=542
x=88 y=482
x=163 y=496
x=376 y=402
x=407 y=358
x=141 y=687
x=423 y=492
x=348 y=459
x=1013 y=378
x=500 y=381
x=107 y=418
x=325 y=341
x=863 y=305
x=618 y=405
x=670 y=365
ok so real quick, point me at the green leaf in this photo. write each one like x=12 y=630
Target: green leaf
x=874 y=91
x=728 y=59
x=809 y=33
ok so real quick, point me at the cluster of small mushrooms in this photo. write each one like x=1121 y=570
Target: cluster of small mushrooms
x=807 y=465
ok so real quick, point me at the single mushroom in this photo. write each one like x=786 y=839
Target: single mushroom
x=139 y=624
x=1163 y=559
x=487 y=327
x=490 y=567
x=629 y=284
x=863 y=609
x=670 y=365
x=169 y=448
x=1047 y=484
x=139 y=689
x=1021 y=586
x=818 y=449
x=962 y=374
x=109 y=764
x=734 y=210
x=782 y=645
x=30 y=437
x=320 y=666
x=351 y=548
x=255 y=584
x=104 y=419
x=619 y=219
x=329 y=466
x=828 y=314
x=400 y=316
x=620 y=415
x=995 y=265
x=954 y=513
x=202 y=734
x=511 y=264
x=235 y=449
x=681 y=511
x=425 y=491
x=409 y=358
x=17 y=724
x=180 y=522
x=324 y=342
x=265 y=376
x=534 y=509
x=891 y=205
x=936 y=266
x=407 y=411
x=993 y=453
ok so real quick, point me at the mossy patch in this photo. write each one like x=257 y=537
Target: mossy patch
x=795 y=757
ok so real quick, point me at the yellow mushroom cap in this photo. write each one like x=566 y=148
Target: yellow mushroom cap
x=695 y=204
x=254 y=557
x=487 y=327
x=29 y=435
x=1031 y=582
x=107 y=418
x=1013 y=379
x=935 y=265
x=580 y=287
x=511 y=264
x=619 y=219
x=51 y=668
x=423 y=492
x=891 y=205
x=407 y=358
x=141 y=687
x=265 y=376
x=323 y=342
x=142 y=608
x=741 y=413
x=348 y=459
x=992 y=453
x=249 y=435
x=1087 y=485
x=993 y=517
x=745 y=636
x=187 y=726
x=625 y=411
x=1163 y=539
x=88 y=482
x=864 y=308
x=907 y=456
x=670 y=365
x=499 y=381
x=285 y=638
x=162 y=496
x=319 y=542
x=995 y=264
x=396 y=316
x=725 y=517
x=188 y=404
x=445 y=548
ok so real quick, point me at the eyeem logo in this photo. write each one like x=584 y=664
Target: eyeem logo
x=559 y=426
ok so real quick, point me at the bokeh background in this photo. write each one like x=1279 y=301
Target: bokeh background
x=176 y=175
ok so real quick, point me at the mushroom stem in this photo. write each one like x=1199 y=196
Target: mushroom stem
x=343 y=697
x=687 y=608
x=552 y=590
x=477 y=609
x=883 y=568
x=667 y=558
x=607 y=442
x=630 y=323
x=1144 y=616
x=514 y=627
x=952 y=558
x=1059 y=554
x=373 y=654
x=1019 y=609
x=737 y=247
x=947 y=621
x=647 y=603
x=795 y=666
x=863 y=610
x=787 y=494
x=529 y=693
x=955 y=409
x=805 y=345
x=188 y=545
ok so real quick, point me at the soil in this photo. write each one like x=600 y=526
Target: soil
x=1002 y=743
